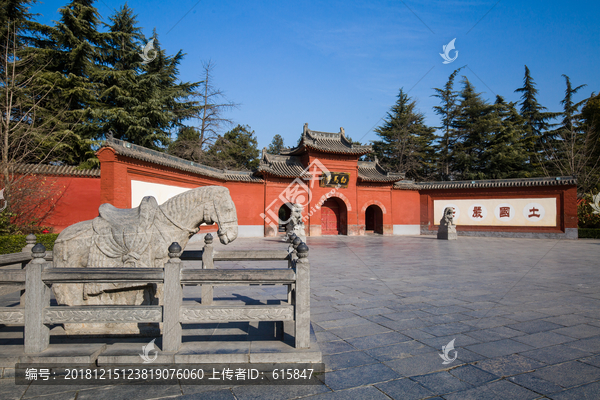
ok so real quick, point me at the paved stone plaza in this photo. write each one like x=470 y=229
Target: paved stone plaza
x=524 y=313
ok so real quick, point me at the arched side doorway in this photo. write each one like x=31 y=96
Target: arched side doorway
x=285 y=212
x=334 y=217
x=374 y=219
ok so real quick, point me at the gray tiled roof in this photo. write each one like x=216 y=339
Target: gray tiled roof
x=373 y=172
x=283 y=166
x=490 y=183
x=60 y=170
x=326 y=142
x=141 y=153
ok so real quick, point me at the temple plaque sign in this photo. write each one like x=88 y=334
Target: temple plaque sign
x=335 y=179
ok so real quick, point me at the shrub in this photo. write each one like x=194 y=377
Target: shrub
x=585 y=213
x=15 y=243
x=589 y=233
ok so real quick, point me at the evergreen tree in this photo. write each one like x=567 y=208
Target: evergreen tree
x=505 y=152
x=235 y=150
x=406 y=142
x=474 y=125
x=188 y=145
x=276 y=145
x=447 y=111
x=72 y=72
x=536 y=122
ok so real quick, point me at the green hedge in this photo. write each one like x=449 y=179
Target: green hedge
x=15 y=243
x=589 y=233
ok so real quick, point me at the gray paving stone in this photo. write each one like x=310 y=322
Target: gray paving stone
x=591 y=345
x=420 y=364
x=338 y=346
x=499 y=348
x=9 y=391
x=543 y=339
x=276 y=392
x=509 y=365
x=442 y=383
x=346 y=360
x=581 y=331
x=569 y=374
x=569 y=319
x=528 y=316
x=586 y=392
x=378 y=340
x=499 y=390
x=492 y=334
x=536 y=384
x=365 y=392
x=359 y=376
x=130 y=392
x=447 y=329
x=399 y=350
x=359 y=330
x=472 y=375
x=556 y=354
x=217 y=394
x=534 y=326
x=405 y=389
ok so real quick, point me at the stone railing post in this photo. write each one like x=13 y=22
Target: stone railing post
x=207 y=263
x=30 y=240
x=302 y=298
x=173 y=298
x=37 y=298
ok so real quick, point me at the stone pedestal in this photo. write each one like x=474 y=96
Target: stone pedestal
x=449 y=233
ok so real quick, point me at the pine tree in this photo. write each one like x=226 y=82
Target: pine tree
x=276 y=145
x=536 y=122
x=505 y=153
x=406 y=142
x=473 y=126
x=235 y=150
x=73 y=58
x=447 y=111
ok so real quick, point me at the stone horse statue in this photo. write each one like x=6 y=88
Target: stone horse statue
x=136 y=238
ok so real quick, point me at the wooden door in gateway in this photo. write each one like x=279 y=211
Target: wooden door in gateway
x=330 y=218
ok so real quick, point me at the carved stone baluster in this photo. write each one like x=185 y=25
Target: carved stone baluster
x=302 y=298
x=173 y=298
x=37 y=298
x=208 y=263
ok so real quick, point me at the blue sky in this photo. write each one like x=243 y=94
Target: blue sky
x=341 y=63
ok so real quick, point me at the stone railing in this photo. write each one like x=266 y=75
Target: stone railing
x=39 y=275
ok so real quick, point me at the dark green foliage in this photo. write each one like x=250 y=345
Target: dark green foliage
x=235 y=150
x=448 y=111
x=276 y=145
x=589 y=233
x=473 y=127
x=188 y=145
x=505 y=153
x=536 y=123
x=15 y=243
x=406 y=142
